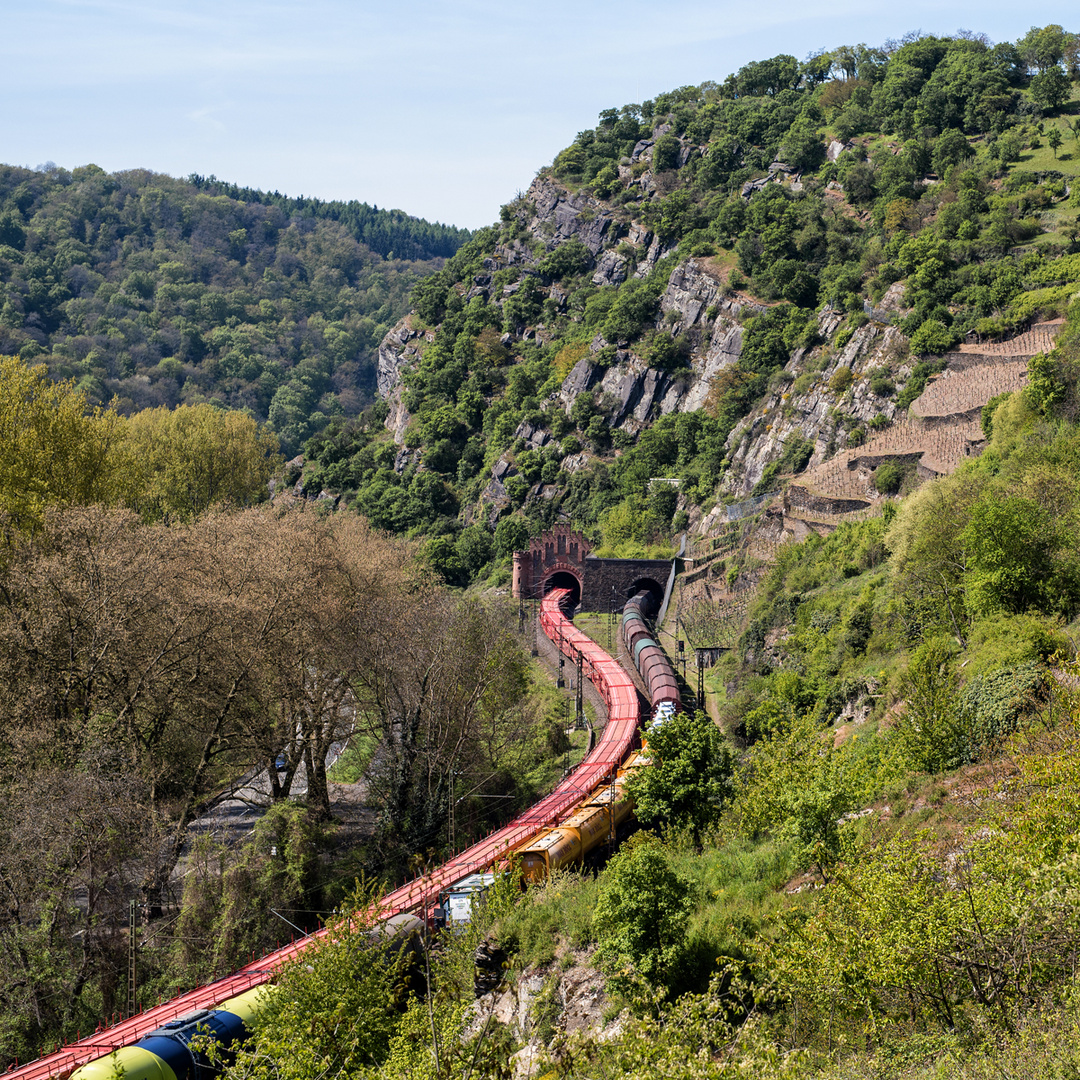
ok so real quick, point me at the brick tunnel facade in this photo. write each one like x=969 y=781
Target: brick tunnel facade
x=562 y=558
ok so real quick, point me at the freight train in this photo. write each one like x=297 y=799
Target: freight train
x=650 y=660
x=584 y=809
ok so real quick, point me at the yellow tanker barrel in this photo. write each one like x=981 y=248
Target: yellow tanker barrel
x=248 y=1005
x=553 y=850
x=130 y=1062
x=592 y=825
x=614 y=795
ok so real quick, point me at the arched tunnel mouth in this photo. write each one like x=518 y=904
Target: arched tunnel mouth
x=563 y=580
x=655 y=591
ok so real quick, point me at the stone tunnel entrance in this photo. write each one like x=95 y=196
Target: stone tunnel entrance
x=563 y=579
x=653 y=588
x=561 y=557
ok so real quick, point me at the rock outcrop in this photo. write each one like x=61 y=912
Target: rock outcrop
x=834 y=403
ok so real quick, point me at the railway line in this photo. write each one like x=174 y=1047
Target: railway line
x=594 y=781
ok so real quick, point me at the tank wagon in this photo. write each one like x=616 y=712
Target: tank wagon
x=167 y=1052
x=594 y=822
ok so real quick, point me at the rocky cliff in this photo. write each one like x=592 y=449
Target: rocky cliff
x=830 y=399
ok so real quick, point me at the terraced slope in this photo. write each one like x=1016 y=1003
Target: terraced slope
x=942 y=429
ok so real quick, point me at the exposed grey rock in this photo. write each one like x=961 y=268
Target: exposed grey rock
x=535 y=438
x=405 y=458
x=657 y=250
x=623 y=382
x=397 y=419
x=690 y=293
x=760 y=439
x=892 y=303
x=610 y=269
x=583 y=376
x=751 y=186
x=561 y=215
x=836 y=148
x=649 y=394
x=575 y=462
x=397 y=351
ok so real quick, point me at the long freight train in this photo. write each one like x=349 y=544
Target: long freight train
x=584 y=808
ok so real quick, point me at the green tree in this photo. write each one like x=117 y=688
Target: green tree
x=511 y=534
x=950 y=148
x=1021 y=556
x=442 y=556
x=174 y=464
x=634 y=306
x=666 y=153
x=933 y=338
x=689 y=781
x=474 y=547
x=1045 y=47
x=642 y=914
x=1050 y=89
x=931 y=729
x=52 y=451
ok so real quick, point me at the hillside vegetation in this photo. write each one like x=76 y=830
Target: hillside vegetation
x=151 y=291
x=726 y=284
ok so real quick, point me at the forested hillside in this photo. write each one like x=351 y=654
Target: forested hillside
x=154 y=291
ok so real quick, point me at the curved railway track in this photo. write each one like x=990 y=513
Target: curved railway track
x=419 y=895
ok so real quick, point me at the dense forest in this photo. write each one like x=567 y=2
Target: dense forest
x=859 y=860
x=151 y=291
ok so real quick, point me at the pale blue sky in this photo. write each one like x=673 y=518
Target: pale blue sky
x=445 y=111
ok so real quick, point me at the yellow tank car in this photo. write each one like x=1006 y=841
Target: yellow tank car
x=592 y=824
x=613 y=797
x=560 y=847
x=553 y=849
x=639 y=759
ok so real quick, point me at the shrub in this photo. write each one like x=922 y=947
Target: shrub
x=841 y=380
x=889 y=477
x=642 y=913
x=880 y=382
x=933 y=338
